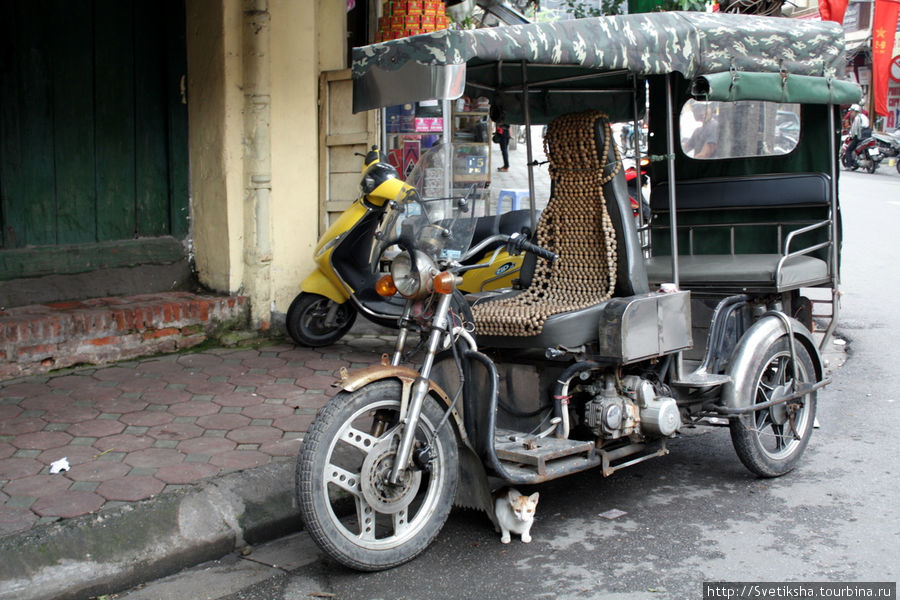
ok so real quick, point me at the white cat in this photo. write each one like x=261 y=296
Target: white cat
x=515 y=513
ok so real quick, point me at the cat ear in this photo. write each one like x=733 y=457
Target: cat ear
x=534 y=497
x=513 y=495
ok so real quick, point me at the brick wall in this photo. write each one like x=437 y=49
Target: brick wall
x=43 y=337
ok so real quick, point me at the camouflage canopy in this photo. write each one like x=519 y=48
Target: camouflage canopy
x=561 y=57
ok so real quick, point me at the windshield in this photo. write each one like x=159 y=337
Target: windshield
x=436 y=214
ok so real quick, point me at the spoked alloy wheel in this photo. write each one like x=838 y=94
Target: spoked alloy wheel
x=307 y=316
x=349 y=506
x=771 y=440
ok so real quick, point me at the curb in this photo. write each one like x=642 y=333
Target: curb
x=121 y=547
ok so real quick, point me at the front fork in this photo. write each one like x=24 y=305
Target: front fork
x=409 y=418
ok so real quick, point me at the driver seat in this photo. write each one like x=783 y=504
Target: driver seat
x=589 y=224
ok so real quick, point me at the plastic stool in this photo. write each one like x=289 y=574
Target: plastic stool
x=516 y=199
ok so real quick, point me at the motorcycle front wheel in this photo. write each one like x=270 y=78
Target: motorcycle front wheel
x=350 y=508
x=307 y=317
x=771 y=440
x=872 y=166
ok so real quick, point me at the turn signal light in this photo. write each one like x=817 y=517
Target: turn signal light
x=443 y=283
x=385 y=286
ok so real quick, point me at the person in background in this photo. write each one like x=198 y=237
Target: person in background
x=859 y=128
x=705 y=140
x=502 y=138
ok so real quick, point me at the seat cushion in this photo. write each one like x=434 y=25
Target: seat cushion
x=569 y=329
x=739 y=271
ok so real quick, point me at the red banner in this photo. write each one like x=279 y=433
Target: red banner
x=884 y=25
x=833 y=10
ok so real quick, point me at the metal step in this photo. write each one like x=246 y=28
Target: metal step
x=519 y=448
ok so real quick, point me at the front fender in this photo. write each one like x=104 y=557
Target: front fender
x=352 y=381
x=318 y=283
x=750 y=349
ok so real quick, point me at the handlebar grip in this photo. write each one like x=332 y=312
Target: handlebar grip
x=520 y=243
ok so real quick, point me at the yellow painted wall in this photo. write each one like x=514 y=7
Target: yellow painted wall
x=233 y=251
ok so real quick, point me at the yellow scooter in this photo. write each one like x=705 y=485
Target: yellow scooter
x=347 y=258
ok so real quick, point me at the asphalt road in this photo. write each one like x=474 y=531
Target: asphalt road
x=696 y=515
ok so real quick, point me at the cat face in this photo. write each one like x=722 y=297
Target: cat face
x=523 y=506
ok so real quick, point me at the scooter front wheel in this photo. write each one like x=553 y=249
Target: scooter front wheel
x=308 y=321
x=351 y=508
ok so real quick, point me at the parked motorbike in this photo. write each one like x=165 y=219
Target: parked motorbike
x=889 y=146
x=867 y=155
x=347 y=260
x=614 y=346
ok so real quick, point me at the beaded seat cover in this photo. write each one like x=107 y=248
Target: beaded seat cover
x=575 y=225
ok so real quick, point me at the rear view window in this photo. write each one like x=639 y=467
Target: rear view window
x=713 y=130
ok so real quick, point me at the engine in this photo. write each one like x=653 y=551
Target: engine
x=636 y=409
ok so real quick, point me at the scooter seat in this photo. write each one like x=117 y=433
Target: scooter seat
x=740 y=272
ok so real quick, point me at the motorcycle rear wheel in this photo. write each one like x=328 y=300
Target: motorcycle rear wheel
x=872 y=166
x=771 y=441
x=305 y=321
x=350 y=509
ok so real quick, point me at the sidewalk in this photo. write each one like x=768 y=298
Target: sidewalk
x=174 y=460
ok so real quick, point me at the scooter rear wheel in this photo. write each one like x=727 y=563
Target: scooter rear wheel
x=306 y=320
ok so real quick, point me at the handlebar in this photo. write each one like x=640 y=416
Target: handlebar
x=515 y=243
x=520 y=243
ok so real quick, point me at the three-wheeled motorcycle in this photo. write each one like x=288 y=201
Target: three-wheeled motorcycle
x=613 y=345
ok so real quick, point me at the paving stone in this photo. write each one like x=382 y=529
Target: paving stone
x=120 y=405
x=116 y=373
x=201 y=458
x=69 y=414
x=83 y=441
x=283 y=447
x=194 y=409
x=136 y=430
x=154 y=457
x=206 y=445
x=112 y=456
x=314 y=382
x=10 y=411
x=281 y=390
x=238 y=399
x=165 y=364
x=291 y=372
x=72 y=382
x=130 y=489
x=142 y=472
x=13 y=520
x=124 y=442
x=185 y=420
x=166 y=397
x=76 y=455
x=226 y=370
x=6 y=450
x=176 y=386
x=20 y=501
x=214 y=388
x=218 y=378
x=165 y=444
x=36 y=486
x=156 y=408
x=299 y=354
x=309 y=401
x=68 y=504
x=96 y=428
x=186 y=473
x=267 y=411
x=223 y=421
x=248 y=380
x=365 y=358
x=16 y=468
x=241 y=355
x=147 y=419
x=323 y=364
x=294 y=422
x=269 y=362
x=84 y=486
x=42 y=440
x=98 y=470
x=19 y=426
x=141 y=384
x=27 y=453
x=199 y=361
x=253 y=435
x=57 y=426
x=186 y=378
x=25 y=390
x=240 y=459
x=175 y=431
x=262 y=422
x=231 y=410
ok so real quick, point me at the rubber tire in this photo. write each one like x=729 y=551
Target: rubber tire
x=314 y=505
x=299 y=312
x=745 y=441
x=873 y=166
x=897 y=163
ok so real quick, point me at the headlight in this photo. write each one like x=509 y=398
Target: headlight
x=411 y=274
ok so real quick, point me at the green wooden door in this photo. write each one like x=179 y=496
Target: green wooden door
x=93 y=126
